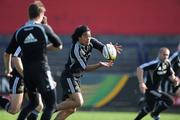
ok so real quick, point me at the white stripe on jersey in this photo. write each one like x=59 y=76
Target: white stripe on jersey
x=155 y=93
x=76 y=53
x=173 y=56
x=149 y=63
x=71 y=85
x=17 y=52
x=15 y=85
x=52 y=83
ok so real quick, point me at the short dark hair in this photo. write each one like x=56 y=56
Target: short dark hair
x=35 y=9
x=78 y=32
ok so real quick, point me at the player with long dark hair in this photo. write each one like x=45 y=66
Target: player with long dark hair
x=82 y=45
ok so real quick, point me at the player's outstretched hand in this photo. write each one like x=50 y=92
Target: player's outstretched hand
x=107 y=64
x=118 y=47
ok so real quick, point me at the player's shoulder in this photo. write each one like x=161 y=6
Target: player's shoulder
x=174 y=56
x=150 y=63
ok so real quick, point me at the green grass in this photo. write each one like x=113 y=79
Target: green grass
x=100 y=116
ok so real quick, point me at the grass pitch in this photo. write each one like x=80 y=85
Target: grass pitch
x=93 y=115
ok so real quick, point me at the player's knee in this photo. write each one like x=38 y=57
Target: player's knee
x=13 y=110
x=72 y=110
x=79 y=102
x=40 y=107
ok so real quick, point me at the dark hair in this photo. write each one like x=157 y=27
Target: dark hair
x=35 y=9
x=78 y=32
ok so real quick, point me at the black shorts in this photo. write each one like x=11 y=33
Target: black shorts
x=154 y=96
x=16 y=83
x=70 y=84
x=40 y=80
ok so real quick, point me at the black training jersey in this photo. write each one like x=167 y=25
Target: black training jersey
x=79 y=56
x=175 y=61
x=32 y=39
x=156 y=71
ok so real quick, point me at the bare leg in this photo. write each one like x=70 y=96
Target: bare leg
x=40 y=107
x=15 y=103
x=62 y=115
x=69 y=106
x=75 y=100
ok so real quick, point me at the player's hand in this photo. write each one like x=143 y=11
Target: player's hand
x=8 y=72
x=142 y=87
x=118 y=47
x=44 y=21
x=177 y=81
x=106 y=64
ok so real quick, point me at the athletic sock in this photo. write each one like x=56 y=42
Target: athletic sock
x=143 y=112
x=4 y=103
x=33 y=115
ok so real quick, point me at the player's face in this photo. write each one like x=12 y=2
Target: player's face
x=164 y=55
x=41 y=16
x=85 y=38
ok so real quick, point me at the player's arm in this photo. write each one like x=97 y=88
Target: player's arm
x=18 y=65
x=7 y=64
x=174 y=78
x=56 y=43
x=8 y=55
x=93 y=67
x=140 y=73
x=142 y=85
x=97 y=44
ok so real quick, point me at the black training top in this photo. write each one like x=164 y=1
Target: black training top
x=156 y=71
x=32 y=39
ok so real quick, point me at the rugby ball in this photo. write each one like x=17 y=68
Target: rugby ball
x=109 y=52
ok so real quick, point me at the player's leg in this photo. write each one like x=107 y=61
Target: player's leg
x=72 y=90
x=63 y=114
x=49 y=98
x=30 y=81
x=13 y=104
x=150 y=101
x=34 y=114
x=164 y=101
x=47 y=89
x=74 y=100
x=33 y=103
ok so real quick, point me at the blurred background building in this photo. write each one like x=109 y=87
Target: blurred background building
x=140 y=26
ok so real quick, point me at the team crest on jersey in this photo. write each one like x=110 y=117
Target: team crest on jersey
x=30 y=39
x=162 y=69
